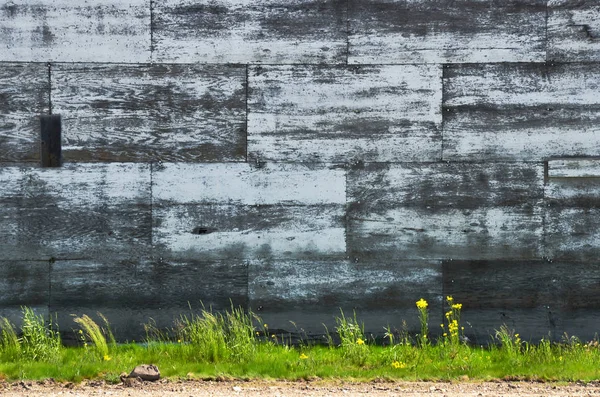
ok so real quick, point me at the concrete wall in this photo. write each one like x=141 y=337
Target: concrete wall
x=301 y=156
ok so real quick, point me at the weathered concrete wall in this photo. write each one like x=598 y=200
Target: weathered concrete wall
x=301 y=156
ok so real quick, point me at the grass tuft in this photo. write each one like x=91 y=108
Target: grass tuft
x=352 y=339
x=236 y=344
x=39 y=341
x=9 y=342
x=92 y=333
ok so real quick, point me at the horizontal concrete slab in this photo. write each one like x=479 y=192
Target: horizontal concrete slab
x=344 y=114
x=573 y=31
x=67 y=31
x=76 y=211
x=146 y=113
x=24 y=96
x=300 y=295
x=521 y=112
x=463 y=31
x=243 y=31
x=137 y=291
x=533 y=298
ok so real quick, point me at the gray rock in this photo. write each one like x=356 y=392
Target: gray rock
x=146 y=372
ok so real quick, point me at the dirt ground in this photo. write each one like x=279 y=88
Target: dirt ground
x=281 y=389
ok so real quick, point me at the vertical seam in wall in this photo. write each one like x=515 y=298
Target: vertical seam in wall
x=444 y=66
x=247 y=92
x=49 y=88
x=151 y=31
x=49 y=288
x=546 y=30
x=346 y=214
x=248 y=285
x=152 y=253
x=444 y=265
x=347 y=32
x=545 y=253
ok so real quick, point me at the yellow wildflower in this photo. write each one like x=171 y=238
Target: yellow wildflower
x=449 y=298
x=107 y=357
x=457 y=306
x=303 y=356
x=360 y=341
x=422 y=304
x=397 y=365
x=273 y=336
x=265 y=325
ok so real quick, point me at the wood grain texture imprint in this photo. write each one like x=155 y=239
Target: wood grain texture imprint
x=241 y=211
x=311 y=293
x=534 y=298
x=67 y=31
x=76 y=211
x=24 y=96
x=136 y=291
x=344 y=114
x=573 y=31
x=447 y=31
x=445 y=211
x=247 y=31
x=521 y=112
x=151 y=113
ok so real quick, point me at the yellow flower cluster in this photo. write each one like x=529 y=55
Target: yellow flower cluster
x=422 y=304
x=360 y=341
x=107 y=357
x=398 y=365
x=303 y=356
x=453 y=327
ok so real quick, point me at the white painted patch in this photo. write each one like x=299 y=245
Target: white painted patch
x=320 y=114
x=574 y=168
x=402 y=48
x=573 y=31
x=244 y=184
x=457 y=32
x=71 y=31
x=247 y=36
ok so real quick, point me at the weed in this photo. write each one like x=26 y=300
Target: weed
x=9 y=342
x=240 y=331
x=424 y=320
x=511 y=342
x=90 y=331
x=454 y=332
x=205 y=336
x=236 y=344
x=352 y=339
x=39 y=341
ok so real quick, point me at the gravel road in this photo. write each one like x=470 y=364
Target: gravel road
x=312 y=388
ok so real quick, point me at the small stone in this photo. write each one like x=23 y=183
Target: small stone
x=146 y=372
x=237 y=388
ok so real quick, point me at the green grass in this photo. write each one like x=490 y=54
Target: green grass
x=236 y=344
